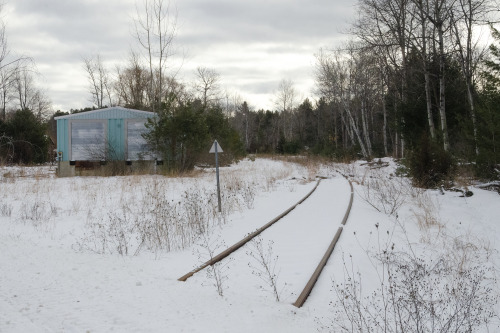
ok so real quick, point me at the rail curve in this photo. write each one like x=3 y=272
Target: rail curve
x=317 y=272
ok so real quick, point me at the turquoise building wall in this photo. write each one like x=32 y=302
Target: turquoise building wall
x=116 y=129
x=63 y=138
x=116 y=137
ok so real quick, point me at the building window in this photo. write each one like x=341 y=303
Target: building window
x=88 y=140
x=137 y=147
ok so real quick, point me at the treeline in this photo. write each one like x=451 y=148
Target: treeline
x=309 y=127
x=414 y=82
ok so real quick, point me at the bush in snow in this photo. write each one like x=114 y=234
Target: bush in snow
x=429 y=164
x=264 y=265
x=419 y=293
x=218 y=272
x=385 y=194
x=5 y=209
x=37 y=212
x=156 y=222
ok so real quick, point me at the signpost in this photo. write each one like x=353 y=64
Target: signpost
x=217 y=149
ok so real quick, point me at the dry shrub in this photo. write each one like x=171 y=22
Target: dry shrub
x=464 y=176
x=264 y=265
x=349 y=170
x=6 y=210
x=218 y=272
x=311 y=163
x=385 y=194
x=38 y=212
x=453 y=289
x=466 y=249
x=426 y=211
x=243 y=188
x=151 y=220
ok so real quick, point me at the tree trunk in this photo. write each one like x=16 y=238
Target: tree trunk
x=366 y=132
x=425 y=64
x=355 y=129
x=473 y=116
x=396 y=133
x=427 y=78
x=442 y=94
x=430 y=118
x=336 y=136
x=384 y=128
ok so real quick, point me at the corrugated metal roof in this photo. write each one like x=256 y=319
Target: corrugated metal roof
x=115 y=112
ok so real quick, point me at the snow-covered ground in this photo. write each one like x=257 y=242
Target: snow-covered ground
x=80 y=254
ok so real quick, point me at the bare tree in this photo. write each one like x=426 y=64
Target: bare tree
x=100 y=84
x=384 y=25
x=398 y=25
x=131 y=85
x=155 y=30
x=25 y=89
x=285 y=95
x=244 y=110
x=366 y=88
x=336 y=79
x=382 y=87
x=29 y=96
x=42 y=105
x=10 y=65
x=7 y=83
x=232 y=100
x=208 y=85
x=285 y=100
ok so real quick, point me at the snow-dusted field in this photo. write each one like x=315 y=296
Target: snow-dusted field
x=104 y=254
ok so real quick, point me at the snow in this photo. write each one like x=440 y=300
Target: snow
x=55 y=277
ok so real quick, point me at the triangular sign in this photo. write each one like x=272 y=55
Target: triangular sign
x=219 y=148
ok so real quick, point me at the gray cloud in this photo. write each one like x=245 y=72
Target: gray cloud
x=252 y=44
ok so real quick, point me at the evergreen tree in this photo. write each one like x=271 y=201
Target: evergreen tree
x=28 y=142
x=179 y=135
x=182 y=135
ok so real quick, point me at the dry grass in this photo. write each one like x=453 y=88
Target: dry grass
x=464 y=178
x=312 y=163
x=350 y=171
x=426 y=211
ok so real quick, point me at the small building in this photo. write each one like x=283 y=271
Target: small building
x=100 y=136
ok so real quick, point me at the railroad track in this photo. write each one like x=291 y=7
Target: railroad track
x=317 y=272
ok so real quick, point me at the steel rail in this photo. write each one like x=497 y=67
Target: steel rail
x=314 y=278
x=245 y=240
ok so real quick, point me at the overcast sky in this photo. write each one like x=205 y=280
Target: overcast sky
x=253 y=44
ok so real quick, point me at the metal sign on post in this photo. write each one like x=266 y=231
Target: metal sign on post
x=216 y=148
